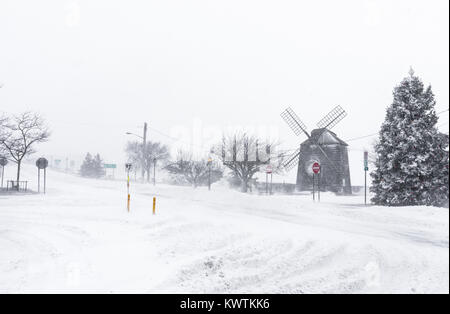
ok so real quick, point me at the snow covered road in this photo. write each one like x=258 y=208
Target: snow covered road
x=79 y=238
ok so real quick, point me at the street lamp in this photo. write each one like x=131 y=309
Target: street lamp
x=144 y=142
x=129 y=133
x=209 y=173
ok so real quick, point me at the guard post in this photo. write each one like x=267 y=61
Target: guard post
x=128 y=168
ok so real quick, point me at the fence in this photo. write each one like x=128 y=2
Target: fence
x=17 y=186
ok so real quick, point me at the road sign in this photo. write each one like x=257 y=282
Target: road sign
x=109 y=166
x=316 y=167
x=366 y=161
x=3 y=161
x=42 y=163
x=269 y=169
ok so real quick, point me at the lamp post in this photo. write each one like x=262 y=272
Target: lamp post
x=154 y=171
x=209 y=173
x=144 y=143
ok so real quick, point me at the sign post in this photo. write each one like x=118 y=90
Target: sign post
x=128 y=168
x=42 y=163
x=366 y=168
x=3 y=163
x=110 y=166
x=316 y=171
x=269 y=171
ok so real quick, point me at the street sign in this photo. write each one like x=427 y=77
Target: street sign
x=366 y=161
x=109 y=166
x=42 y=163
x=3 y=161
x=316 y=167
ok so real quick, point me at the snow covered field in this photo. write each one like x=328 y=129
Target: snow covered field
x=79 y=238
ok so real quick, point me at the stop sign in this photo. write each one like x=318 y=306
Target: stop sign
x=316 y=167
x=42 y=163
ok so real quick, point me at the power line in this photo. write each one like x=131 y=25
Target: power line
x=361 y=137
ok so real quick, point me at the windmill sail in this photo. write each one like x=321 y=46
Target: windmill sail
x=331 y=119
x=292 y=161
x=294 y=122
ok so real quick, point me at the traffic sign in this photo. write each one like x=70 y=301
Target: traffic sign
x=366 y=161
x=3 y=161
x=109 y=166
x=269 y=169
x=316 y=167
x=42 y=163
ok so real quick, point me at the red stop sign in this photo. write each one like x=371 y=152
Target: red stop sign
x=316 y=167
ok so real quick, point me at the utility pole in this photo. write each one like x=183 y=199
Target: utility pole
x=144 y=138
x=366 y=168
x=154 y=171
x=209 y=173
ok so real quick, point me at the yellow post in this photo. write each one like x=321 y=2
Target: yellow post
x=154 y=205
x=128 y=190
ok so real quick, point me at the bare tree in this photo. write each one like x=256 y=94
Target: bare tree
x=3 y=133
x=23 y=132
x=154 y=152
x=245 y=155
x=195 y=172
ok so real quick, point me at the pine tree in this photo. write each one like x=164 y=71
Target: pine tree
x=412 y=160
x=98 y=169
x=92 y=167
x=87 y=166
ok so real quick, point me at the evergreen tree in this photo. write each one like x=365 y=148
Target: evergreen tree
x=412 y=157
x=98 y=168
x=86 y=167
x=92 y=167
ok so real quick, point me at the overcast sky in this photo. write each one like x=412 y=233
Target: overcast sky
x=99 y=68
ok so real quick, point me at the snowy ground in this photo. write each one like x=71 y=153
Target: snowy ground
x=79 y=238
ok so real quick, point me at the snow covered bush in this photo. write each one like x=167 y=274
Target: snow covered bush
x=411 y=155
x=186 y=170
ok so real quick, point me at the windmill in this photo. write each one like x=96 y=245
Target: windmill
x=322 y=146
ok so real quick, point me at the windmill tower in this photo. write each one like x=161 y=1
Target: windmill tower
x=322 y=146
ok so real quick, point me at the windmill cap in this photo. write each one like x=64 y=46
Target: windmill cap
x=324 y=137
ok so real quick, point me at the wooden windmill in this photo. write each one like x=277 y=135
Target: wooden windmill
x=322 y=146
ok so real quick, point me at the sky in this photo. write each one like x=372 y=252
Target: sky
x=96 y=69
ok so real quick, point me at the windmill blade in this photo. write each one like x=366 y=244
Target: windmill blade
x=292 y=160
x=294 y=122
x=331 y=119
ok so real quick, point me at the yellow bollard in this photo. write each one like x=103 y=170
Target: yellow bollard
x=154 y=205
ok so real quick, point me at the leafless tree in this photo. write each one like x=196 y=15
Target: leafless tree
x=245 y=155
x=155 y=152
x=3 y=133
x=195 y=172
x=23 y=132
